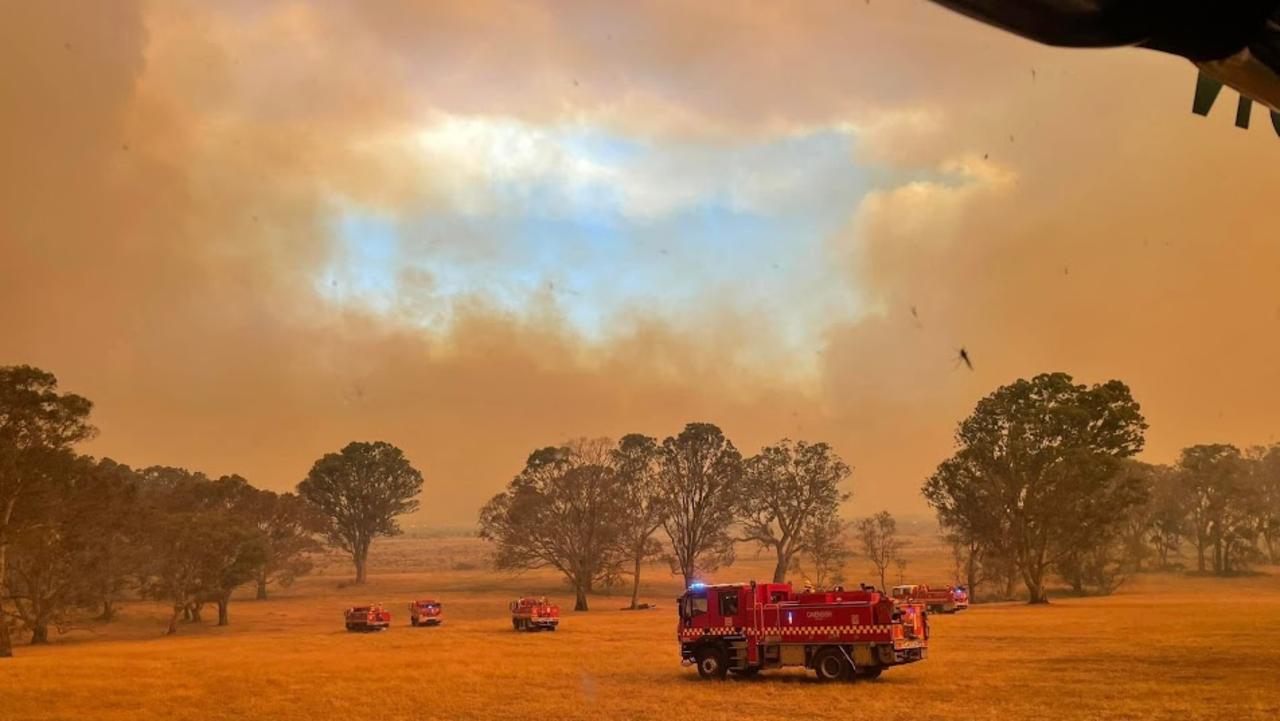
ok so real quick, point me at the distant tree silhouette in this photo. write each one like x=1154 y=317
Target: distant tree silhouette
x=361 y=491
x=76 y=551
x=878 y=538
x=636 y=461
x=790 y=491
x=289 y=526
x=114 y=525
x=200 y=543
x=567 y=510
x=1267 y=474
x=700 y=475
x=1035 y=467
x=38 y=427
x=824 y=559
x=1217 y=486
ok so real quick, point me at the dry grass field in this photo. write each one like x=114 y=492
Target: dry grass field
x=1164 y=647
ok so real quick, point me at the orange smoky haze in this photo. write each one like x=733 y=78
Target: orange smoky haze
x=172 y=172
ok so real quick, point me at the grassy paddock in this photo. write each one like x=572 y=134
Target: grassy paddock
x=1164 y=647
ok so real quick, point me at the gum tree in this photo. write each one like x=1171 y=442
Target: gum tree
x=700 y=475
x=790 y=491
x=38 y=425
x=565 y=510
x=1034 y=467
x=361 y=491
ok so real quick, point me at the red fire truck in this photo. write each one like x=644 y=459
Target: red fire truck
x=744 y=628
x=426 y=612
x=367 y=618
x=947 y=599
x=534 y=614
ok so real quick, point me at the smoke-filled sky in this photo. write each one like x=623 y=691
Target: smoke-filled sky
x=254 y=231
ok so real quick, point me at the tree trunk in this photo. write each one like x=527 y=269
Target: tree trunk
x=635 y=583
x=689 y=572
x=40 y=633
x=262 y=589
x=1200 y=555
x=224 y=619
x=971 y=575
x=1034 y=579
x=780 y=568
x=1076 y=576
x=178 y=610
x=362 y=560
x=580 y=596
x=882 y=584
x=6 y=642
x=108 y=611
x=193 y=612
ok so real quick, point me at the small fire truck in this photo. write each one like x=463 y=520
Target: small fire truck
x=425 y=612
x=534 y=614
x=744 y=628
x=367 y=618
x=947 y=599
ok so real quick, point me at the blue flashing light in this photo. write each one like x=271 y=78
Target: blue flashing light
x=697 y=585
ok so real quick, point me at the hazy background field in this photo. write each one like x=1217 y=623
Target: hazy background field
x=1165 y=646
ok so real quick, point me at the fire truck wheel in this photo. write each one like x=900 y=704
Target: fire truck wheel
x=515 y=623
x=712 y=662
x=413 y=622
x=831 y=665
x=350 y=627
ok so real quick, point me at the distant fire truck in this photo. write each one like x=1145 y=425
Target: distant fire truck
x=534 y=614
x=947 y=599
x=426 y=612
x=367 y=618
x=744 y=628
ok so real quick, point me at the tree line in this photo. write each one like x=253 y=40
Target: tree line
x=77 y=534
x=596 y=510
x=1042 y=485
x=1043 y=482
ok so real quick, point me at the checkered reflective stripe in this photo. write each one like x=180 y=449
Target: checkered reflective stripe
x=717 y=631
x=788 y=631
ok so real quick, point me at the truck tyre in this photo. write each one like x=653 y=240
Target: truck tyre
x=712 y=662
x=413 y=622
x=515 y=623
x=831 y=665
x=350 y=628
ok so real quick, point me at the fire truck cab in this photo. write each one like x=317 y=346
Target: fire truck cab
x=426 y=612
x=533 y=613
x=745 y=628
x=947 y=599
x=367 y=618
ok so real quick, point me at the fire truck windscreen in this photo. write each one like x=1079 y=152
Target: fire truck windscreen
x=693 y=604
